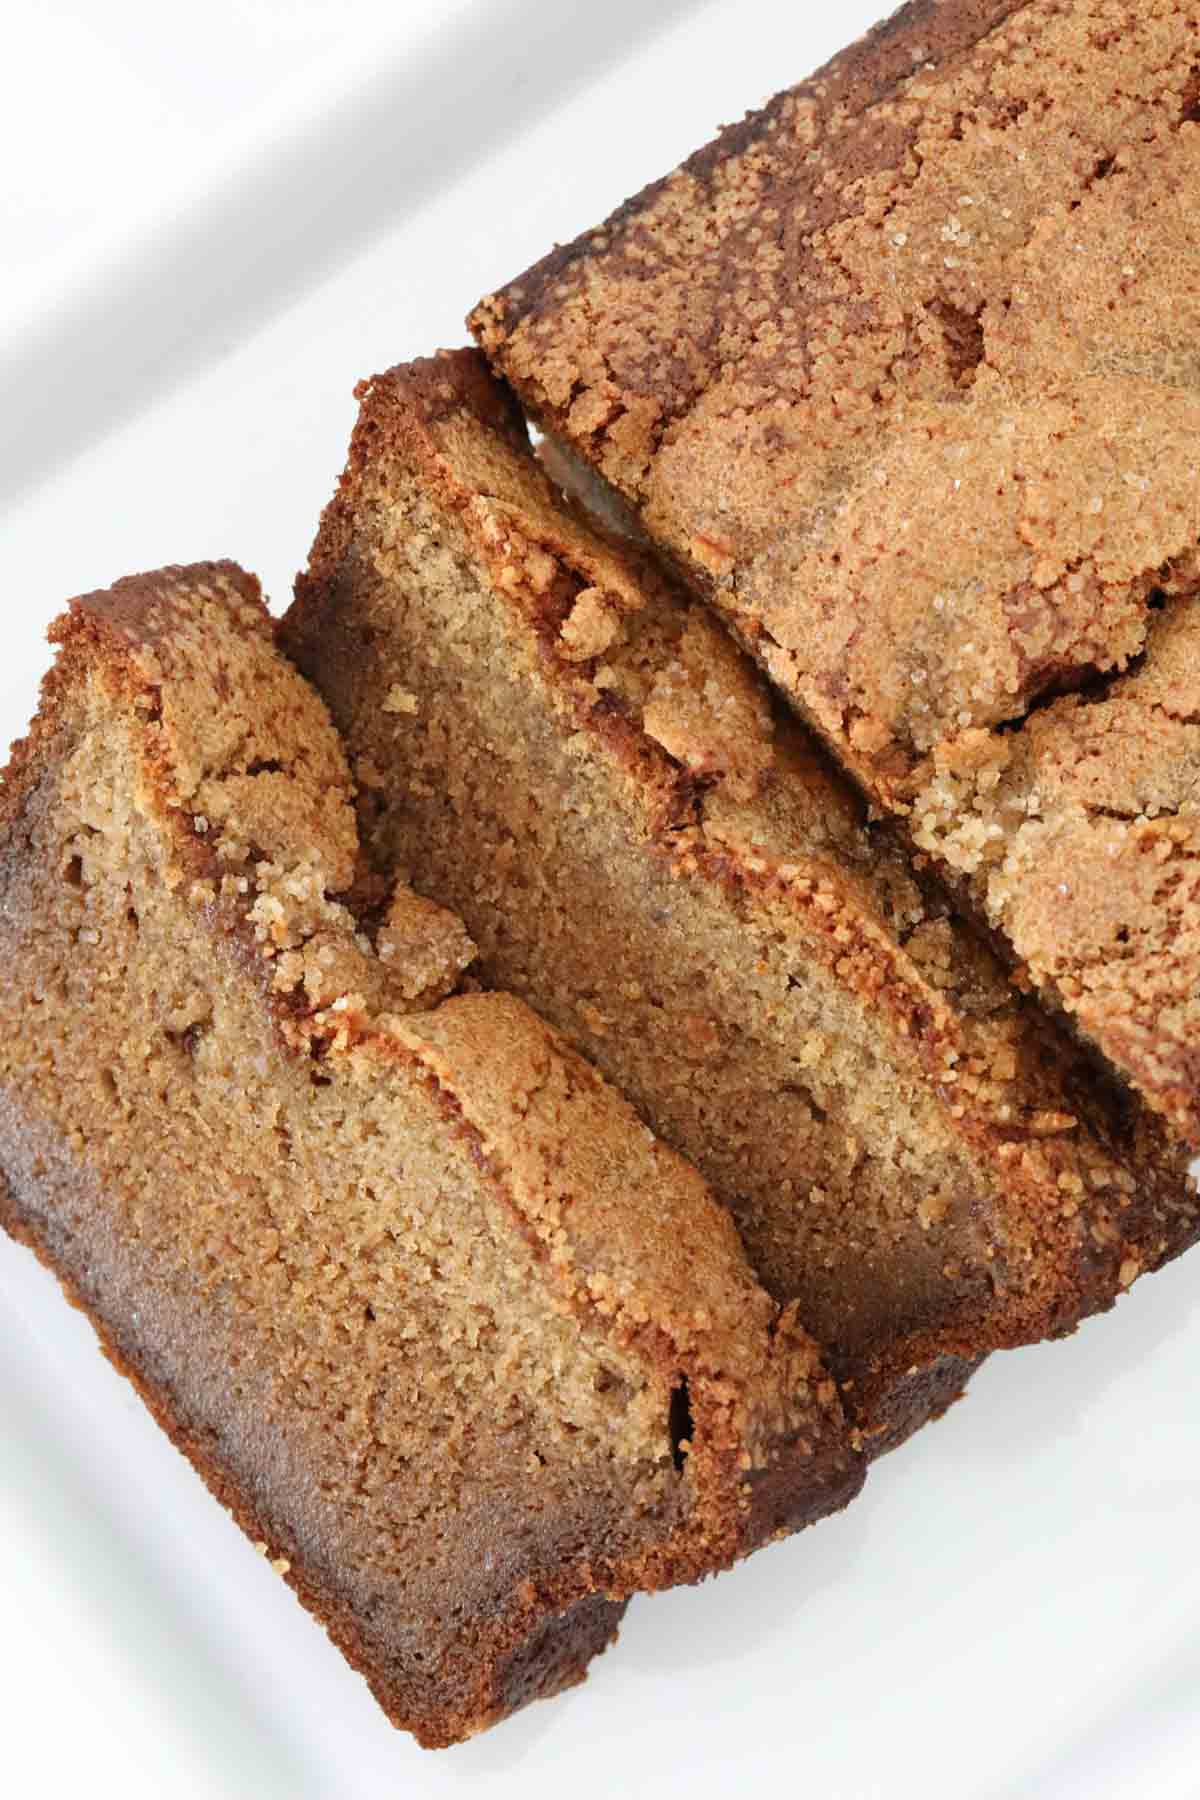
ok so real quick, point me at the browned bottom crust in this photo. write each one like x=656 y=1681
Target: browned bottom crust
x=522 y=1664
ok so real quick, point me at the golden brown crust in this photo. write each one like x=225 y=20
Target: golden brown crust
x=846 y=99
x=184 y=663
x=901 y=375
x=1081 y=1191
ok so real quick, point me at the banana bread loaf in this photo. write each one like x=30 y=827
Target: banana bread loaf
x=903 y=374
x=417 y=1293
x=549 y=738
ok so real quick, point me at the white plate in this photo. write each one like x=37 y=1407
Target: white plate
x=216 y=218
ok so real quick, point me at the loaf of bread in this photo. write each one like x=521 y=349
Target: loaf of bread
x=549 y=738
x=456 y=1340
x=903 y=374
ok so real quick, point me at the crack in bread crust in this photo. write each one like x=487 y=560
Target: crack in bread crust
x=394 y=1296
x=902 y=375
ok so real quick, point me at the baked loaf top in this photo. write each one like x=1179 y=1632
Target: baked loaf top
x=1058 y=1193
x=902 y=374
x=417 y=1292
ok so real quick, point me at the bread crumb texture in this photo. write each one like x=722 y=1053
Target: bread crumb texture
x=467 y=1351
x=640 y=842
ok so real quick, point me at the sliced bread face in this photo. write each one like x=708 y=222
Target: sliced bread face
x=548 y=737
x=471 y=1353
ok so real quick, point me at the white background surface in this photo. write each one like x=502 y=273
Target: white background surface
x=214 y=218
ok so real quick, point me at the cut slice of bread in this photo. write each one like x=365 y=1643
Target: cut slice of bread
x=553 y=741
x=452 y=1335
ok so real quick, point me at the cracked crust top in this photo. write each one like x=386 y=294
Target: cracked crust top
x=903 y=375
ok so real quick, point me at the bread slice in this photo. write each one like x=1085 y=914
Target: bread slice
x=901 y=372
x=548 y=737
x=425 y=1303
